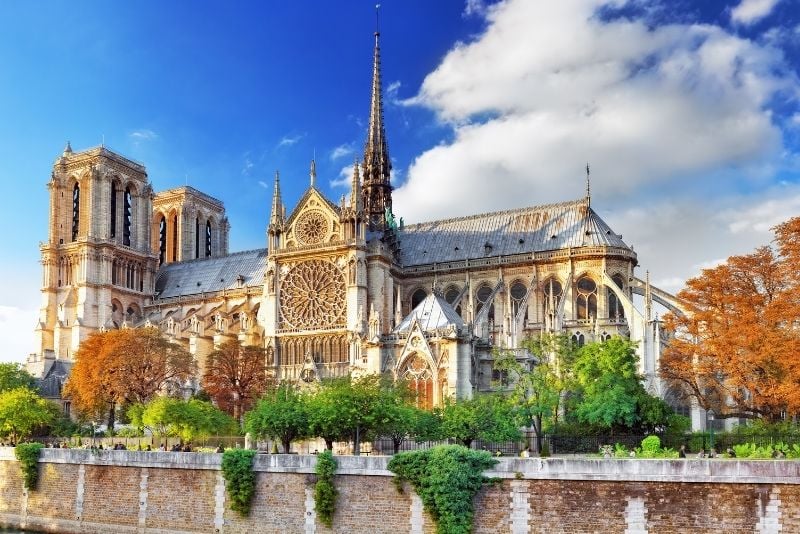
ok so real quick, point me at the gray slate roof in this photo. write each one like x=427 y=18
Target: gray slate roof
x=519 y=231
x=211 y=274
x=432 y=313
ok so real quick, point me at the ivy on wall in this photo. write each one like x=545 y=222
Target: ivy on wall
x=28 y=456
x=446 y=478
x=240 y=480
x=324 y=491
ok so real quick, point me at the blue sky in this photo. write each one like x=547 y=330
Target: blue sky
x=687 y=111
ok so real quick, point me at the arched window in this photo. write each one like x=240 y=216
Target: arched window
x=579 y=339
x=552 y=296
x=174 y=252
x=162 y=240
x=482 y=295
x=451 y=294
x=518 y=291
x=615 y=309
x=76 y=210
x=114 y=272
x=417 y=373
x=208 y=239
x=418 y=296
x=197 y=237
x=127 y=220
x=586 y=301
x=112 y=223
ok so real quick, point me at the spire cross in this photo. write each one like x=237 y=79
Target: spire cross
x=377 y=20
x=588 y=194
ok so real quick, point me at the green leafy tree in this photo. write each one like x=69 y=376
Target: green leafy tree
x=485 y=417
x=189 y=420
x=22 y=411
x=13 y=376
x=282 y=414
x=538 y=386
x=350 y=408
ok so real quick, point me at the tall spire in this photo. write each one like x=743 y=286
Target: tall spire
x=355 y=189
x=588 y=192
x=313 y=173
x=276 y=217
x=377 y=189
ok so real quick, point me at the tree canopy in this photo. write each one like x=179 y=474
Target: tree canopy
x=486 y=417
x=122 y=367
x=282 y=414
x=13 y=376
x=235 y=376
x=22 y=411
x=737 y=349
x=189 y=420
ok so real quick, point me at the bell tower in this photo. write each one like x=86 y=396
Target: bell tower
x=98 y=270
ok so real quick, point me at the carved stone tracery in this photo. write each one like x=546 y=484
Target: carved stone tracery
x=311 y=227
x=312 y=296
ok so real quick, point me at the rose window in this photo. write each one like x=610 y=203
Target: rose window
x=313 y=295
x=311 y=228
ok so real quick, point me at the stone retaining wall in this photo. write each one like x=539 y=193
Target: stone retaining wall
x=164 y=492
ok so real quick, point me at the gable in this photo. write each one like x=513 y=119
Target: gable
x=315 y=221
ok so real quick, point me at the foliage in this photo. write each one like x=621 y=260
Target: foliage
x=13 y=376
x=730 y=350
x=446 y=478
x=127 y=366
x=651 y=448
x=235 y=376
x=537 y=389
x=282 y=414
x=189 y=420
x=324 y=490
x=353 y=409
x=22 y=411
x=28 y=456
x=485 y=417
x=240 y=480
x=775 y=450
x=610 y=390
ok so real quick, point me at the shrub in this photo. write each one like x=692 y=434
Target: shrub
x=446 y=478
x=324 y=491
x=240 y=480
x=28 y=456
x=651 y=446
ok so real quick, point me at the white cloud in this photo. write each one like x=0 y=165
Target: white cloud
x=392 y=91
x=551 y=85
x=341 y=151
x=344 y=178
x=16 y=331
x=247 y=166
x=474 y=7
x=143 y=135
x=750 y=11
x=289 y=140
x=764 y=215
x=263 y=184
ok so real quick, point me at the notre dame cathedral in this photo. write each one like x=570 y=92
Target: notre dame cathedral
x=340 y=287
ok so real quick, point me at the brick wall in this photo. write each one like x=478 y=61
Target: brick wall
x=121 y=491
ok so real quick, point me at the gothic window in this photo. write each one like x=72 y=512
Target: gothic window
x=197 y=237
x=552 y=296
x=482 y=295
x=586 y=301
x=174 y=252
x=500 y=377
x=417 y=374
x=578 y=339
x=162 y=240
x=418 y=296
x=208 y=239
x=127 y=218
x=450 y=295
x=113 y=214
x=76 y=210
x=312 y=295
x=518 y=291
x=114 y=272
x=615 y=309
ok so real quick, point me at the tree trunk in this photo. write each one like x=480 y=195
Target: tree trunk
x=397 y=442
x=112 y=412
x=537 y=435
x=329 y=444
x=287 y=444
x=357 y=443
x=467 y=442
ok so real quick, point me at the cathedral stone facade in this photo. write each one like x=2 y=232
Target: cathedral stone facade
x=341 y=288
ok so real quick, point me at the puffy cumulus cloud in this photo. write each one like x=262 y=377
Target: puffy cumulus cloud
x=551 y=85
x=750 y=11
x=345 y=177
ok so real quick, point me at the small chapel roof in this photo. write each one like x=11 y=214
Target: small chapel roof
x=207 y=275
x=433 y=313
x=520 y=231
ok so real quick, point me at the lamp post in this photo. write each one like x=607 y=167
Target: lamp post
x=711 y=429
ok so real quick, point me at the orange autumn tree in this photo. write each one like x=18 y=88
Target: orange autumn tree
x=736 y=350
x=235 y=376
x=127 y=366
